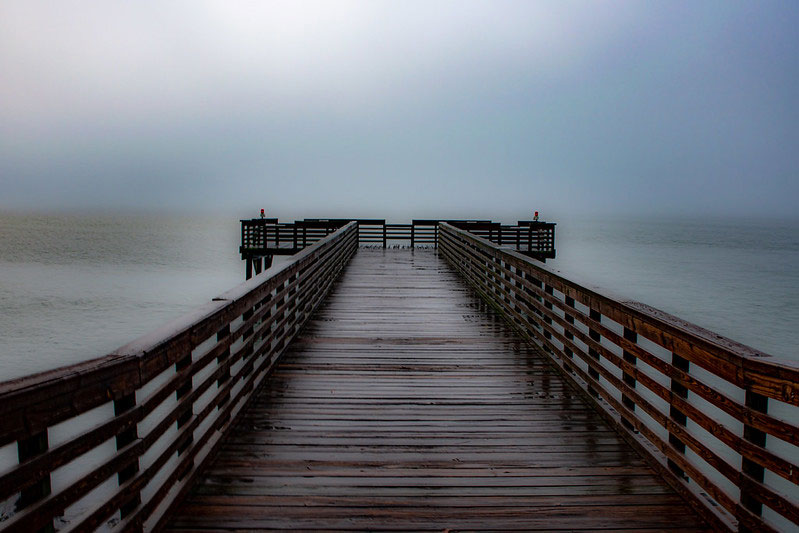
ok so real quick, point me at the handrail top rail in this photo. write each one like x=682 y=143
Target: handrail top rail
x=338 y=220
x=270 y=220
x=275 y=220
x=132 y=353
x=381 y=221
x=535 y=223
x=732 y=351
x=435 y=221
x=327 y=222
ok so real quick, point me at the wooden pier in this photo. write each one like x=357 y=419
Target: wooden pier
x=461 y=387
x=264 y=238
x=406 y=404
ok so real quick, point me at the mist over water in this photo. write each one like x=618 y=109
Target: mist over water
x=736 y=277
x=378 y=108
x=399 y=110
x=76 y=287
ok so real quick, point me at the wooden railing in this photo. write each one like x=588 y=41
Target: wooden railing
x=269 y=237
x=119 y=439
x=717 y=419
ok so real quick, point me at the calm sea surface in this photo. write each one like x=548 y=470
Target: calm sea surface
x=76 y=287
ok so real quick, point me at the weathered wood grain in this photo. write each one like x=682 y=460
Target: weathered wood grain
x=406 y=404
x=687 y=363
x=247 y=328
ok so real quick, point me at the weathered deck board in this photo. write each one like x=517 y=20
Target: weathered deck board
x=406 y=405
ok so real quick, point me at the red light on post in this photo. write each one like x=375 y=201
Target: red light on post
x=536 y=216
x=263 y=214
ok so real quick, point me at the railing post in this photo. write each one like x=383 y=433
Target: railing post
x=676 y=415
x=551 y=238
x=277 y=331
x=223 y=379
x=384 y=235
x=496 y=268
x=517 y=295
x=530 y=237
x=570 y=319
x=184 y=418
x=122 y=406
x=631 y=336
x=756 y=402
x=245 y=316
x=530 y=294
x=28 y=448
x=491 y=274
x=535 y=282
x=413 y=234
x=595 y=336
x=508 y=283
x=292 y=307
x=548 y=289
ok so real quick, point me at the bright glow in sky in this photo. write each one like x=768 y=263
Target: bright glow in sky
x=403 y=109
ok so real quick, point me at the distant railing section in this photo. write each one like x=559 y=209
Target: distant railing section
x=266 y=237
x=716 y=418
x=141 y=422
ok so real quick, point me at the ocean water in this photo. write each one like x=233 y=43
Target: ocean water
x=75 y=287
x=736 y=277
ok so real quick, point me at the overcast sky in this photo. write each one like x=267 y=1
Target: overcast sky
x=401 y=109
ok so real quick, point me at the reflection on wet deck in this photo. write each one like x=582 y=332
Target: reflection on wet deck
x=406 y=404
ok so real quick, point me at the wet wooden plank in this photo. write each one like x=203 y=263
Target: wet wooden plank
x=405 y=404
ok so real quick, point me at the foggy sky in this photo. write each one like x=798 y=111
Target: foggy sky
x=401 y=109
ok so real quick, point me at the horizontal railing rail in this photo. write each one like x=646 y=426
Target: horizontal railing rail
x=268 y=236
x=118 y=440
x=716 y=418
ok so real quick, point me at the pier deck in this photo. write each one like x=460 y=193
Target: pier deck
x=407 y=404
